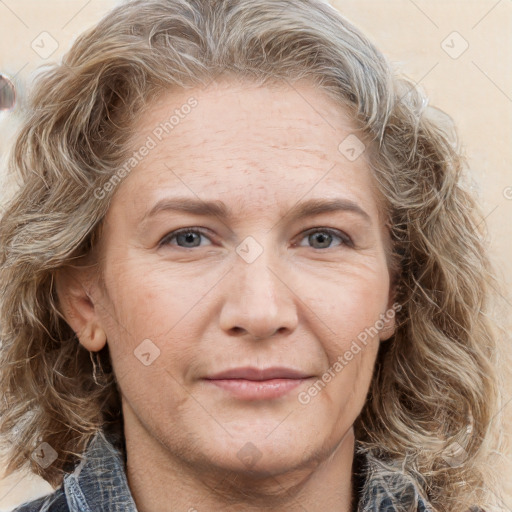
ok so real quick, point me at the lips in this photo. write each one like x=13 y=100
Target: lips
x=250 y=373
x=257 y=384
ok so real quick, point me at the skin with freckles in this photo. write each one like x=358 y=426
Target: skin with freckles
x=317 y=281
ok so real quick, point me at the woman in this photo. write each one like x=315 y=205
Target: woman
x=242 y=273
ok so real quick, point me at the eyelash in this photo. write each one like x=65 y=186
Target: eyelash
x=345 y=239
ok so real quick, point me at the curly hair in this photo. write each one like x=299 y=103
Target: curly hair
x=435 y=385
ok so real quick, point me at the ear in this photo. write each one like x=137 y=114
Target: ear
x=388 y=318
x=77 y=307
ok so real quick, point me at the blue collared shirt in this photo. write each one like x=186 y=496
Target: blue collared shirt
x=99 y=484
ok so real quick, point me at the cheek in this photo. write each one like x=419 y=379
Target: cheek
x=347 y=304
x=337 y=397
x=151 y=325
x=142 y=303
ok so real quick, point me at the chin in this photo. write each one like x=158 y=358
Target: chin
x=255 y=453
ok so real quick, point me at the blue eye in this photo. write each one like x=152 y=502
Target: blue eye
x=190 y=237
x=326 y=237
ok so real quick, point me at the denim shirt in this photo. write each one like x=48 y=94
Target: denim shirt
x=99 y=484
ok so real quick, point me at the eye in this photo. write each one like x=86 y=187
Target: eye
x=323 y=237
x=188 y=238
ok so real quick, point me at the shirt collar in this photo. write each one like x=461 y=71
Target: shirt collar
x=98 y=483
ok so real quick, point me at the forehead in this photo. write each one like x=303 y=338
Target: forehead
x=247 y=143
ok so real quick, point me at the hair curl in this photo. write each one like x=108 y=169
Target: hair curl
x=435 y=380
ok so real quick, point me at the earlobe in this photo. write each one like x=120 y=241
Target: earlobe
x=93 y=337
x=78 y=309
x=388 y=329
x=388 y=318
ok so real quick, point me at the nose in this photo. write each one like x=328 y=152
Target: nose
x=259 y=303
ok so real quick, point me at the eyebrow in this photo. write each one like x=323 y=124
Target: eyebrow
x=220 y=210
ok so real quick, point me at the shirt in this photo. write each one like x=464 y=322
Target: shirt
x=99 y=484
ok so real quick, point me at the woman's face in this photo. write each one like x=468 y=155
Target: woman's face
x=263 y=282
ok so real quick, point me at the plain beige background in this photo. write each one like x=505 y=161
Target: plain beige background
x=459 y=51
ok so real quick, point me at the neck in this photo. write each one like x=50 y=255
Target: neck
x=160 y=481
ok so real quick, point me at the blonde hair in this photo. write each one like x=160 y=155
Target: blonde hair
x=435 y=381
